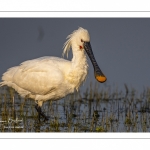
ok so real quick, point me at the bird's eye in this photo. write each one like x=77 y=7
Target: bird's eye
x=82 y=41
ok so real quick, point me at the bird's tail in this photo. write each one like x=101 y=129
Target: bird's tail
x=2 y=84
x=8 y=76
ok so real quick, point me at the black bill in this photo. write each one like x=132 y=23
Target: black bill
x=97 y=71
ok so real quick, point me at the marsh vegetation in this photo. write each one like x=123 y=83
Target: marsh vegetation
x=93 y=109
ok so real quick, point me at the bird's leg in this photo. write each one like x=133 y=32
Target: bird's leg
x=38 y=108
x=43 y=115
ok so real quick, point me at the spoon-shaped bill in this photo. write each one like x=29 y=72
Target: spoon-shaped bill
x=97 y=71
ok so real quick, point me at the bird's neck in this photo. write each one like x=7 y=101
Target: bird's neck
x=79 y=59
x=79 y=69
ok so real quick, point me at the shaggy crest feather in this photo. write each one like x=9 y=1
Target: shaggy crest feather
x=68 y=44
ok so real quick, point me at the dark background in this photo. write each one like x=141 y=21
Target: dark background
x=121 y=45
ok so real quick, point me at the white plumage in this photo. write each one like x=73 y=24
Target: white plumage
x=51 y=78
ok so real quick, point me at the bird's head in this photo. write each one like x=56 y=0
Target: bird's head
x=80 y=40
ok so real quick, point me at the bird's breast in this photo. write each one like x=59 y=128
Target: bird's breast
x=76 y=77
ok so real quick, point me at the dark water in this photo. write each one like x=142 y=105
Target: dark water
x=92 y=110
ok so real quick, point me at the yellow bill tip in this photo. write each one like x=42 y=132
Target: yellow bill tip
x=101 y=78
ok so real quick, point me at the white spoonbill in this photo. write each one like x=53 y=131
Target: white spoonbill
x=52 y=78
